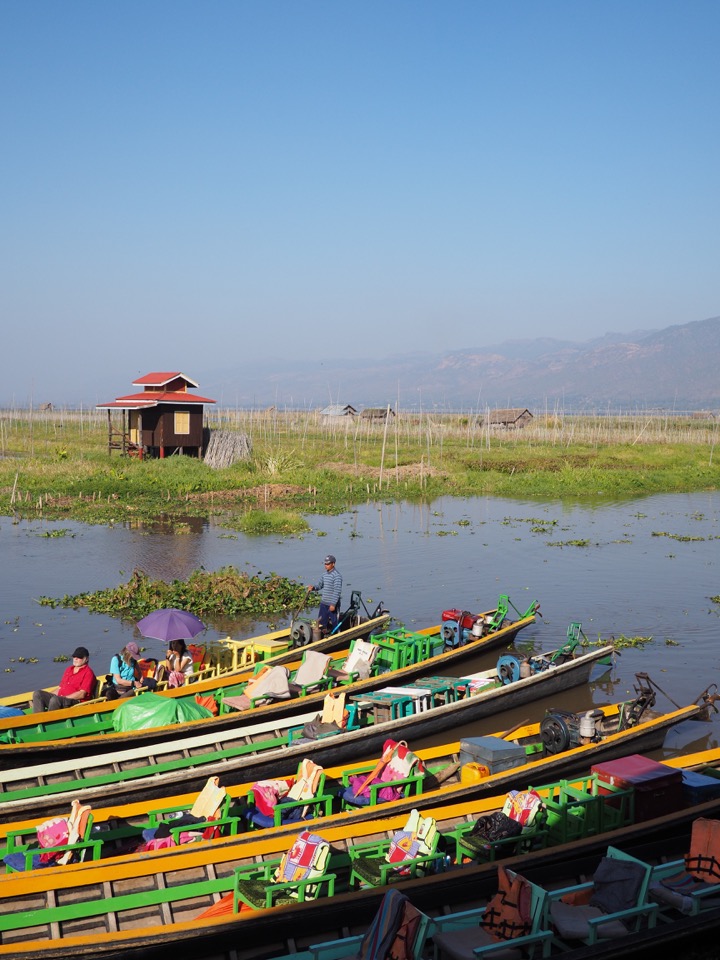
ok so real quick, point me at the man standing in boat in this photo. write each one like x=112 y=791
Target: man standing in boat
x=329 y=587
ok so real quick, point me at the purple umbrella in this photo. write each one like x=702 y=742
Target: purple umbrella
x=170 y=624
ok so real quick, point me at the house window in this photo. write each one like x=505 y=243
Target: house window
x=182 y=421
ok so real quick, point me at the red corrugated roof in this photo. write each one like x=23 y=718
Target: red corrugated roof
x=160 y=379
x=152 y=399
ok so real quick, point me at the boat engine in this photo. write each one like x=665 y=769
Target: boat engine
x=509 y=668
x=459 y=626
x=303 y=632
x=562 y=730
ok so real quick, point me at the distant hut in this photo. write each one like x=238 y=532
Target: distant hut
x=377 y=413
x=511 y=418
x=338 y=410
x=165 y=418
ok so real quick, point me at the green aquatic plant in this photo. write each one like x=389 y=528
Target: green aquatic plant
x=276 y=522
x=226 y=594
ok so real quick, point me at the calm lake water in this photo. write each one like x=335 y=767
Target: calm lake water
x=645 y=567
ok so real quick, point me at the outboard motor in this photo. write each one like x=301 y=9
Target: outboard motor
x=560 y=731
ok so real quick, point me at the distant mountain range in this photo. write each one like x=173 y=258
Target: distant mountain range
x=677 y=368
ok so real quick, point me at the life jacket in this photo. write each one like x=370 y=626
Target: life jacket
x=507 y=915
x=703 y=859
x=209 y=800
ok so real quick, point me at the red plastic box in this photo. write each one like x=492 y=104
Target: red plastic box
x=658 y=788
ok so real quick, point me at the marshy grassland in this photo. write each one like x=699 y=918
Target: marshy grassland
x=55 y=464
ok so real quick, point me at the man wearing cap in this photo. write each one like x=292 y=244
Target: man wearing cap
x=329 y=587
x=77 y=684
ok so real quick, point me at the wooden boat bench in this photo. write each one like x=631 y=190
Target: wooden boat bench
x=577 y=812
x=394 y=703
x=245 y=653
x=443 y=689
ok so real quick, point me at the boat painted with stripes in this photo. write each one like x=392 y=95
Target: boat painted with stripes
x=154 y=905
x=402 y=655
x=254 y=751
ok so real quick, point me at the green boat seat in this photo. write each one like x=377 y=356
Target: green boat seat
x=207 y=817
x=58 y=841
x=411 y=852
x=272 y=803
x=311 y=675
x=525 y=808
x=298 y=876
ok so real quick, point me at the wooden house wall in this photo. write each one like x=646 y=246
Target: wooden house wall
x=158 y=427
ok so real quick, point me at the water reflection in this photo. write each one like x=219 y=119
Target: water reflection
x=644 y=568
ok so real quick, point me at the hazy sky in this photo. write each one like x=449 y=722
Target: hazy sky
x=192 y=185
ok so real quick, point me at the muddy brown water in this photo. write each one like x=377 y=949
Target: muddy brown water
x=638 y=568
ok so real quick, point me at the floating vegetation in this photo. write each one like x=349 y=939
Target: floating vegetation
x=622 y=642
x=60 y=532
x=226 y=593
x=258 y=523
x=675 y=536
x=463 y=523
x=569 y=543
x=447 y=533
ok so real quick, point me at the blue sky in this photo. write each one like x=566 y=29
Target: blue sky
x=196 y=185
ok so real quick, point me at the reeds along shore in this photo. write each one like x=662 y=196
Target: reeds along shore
x=56 y=462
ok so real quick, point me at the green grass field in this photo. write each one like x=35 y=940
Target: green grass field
x=55 y=464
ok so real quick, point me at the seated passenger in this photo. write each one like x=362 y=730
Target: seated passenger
x=126 y=676
x=77 y=684
x=178 y=664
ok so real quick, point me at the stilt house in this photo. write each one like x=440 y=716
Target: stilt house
x=163 y=419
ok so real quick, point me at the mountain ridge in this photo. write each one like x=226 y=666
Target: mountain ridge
x=670 y=368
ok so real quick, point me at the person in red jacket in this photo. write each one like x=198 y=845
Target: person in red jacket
x=77 y=684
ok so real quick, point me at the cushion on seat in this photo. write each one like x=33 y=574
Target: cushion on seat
x=461 y=944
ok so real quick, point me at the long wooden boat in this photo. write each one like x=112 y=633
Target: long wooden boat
x=229 y=659
x=631 y=726
x=38 y=793
x=85 y=729
x=151 y=906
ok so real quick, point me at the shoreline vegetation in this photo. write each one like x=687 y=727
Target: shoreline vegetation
x=55 y=465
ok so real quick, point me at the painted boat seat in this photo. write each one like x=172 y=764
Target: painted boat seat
x=610 y=906
x=298 y=876
x=412 y=852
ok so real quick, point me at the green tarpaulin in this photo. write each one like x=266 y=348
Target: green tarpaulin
x=152 y=710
